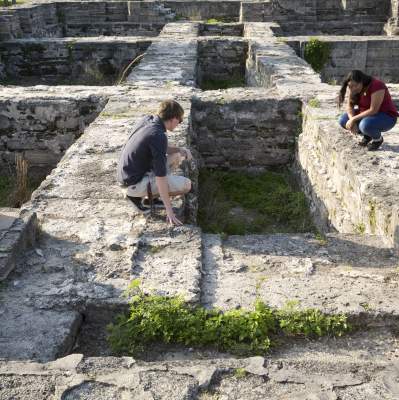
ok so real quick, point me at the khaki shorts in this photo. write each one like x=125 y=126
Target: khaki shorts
x=177 y=184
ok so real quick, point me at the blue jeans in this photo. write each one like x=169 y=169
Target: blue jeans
x=373 y=125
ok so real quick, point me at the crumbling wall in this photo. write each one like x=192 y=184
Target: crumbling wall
x=42 y=128
x=231 y=132
x=351 y=17
x=79 y=61
x=33 y=21
x=376 y=56
x=221 y=29
x=221 y=60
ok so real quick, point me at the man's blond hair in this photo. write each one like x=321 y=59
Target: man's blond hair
x=170 y=109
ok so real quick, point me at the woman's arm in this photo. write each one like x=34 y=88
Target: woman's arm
x=376 y=101
x=375 y=104
x=349 y=108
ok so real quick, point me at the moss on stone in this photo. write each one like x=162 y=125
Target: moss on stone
x=215 y=84
x=239 y=203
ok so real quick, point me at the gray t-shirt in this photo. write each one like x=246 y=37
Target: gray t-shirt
x=144 y=151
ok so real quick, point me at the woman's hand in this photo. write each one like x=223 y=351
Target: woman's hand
x=352 y=126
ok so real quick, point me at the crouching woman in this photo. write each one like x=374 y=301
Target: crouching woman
x=370 y=109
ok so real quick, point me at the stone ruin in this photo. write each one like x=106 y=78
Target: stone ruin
x=67 y=255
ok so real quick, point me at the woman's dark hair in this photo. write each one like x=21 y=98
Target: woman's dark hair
x=355 y=76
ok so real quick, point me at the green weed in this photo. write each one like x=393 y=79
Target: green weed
x=317 y=53
x=372 y=216
x=321 y=239
x=314 y=103
x=269 y=202
x=240 y=373
x=360 y=228
x=155 y=319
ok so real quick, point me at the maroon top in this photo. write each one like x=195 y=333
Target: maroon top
x=387 y=105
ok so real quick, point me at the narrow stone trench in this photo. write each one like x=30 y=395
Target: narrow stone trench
x=71 y=251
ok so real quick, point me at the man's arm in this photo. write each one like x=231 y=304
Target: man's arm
x=182 y=150
x=163 y=188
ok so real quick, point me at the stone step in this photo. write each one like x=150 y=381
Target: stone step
x=327 y=370
x=351 y=274
x=17 y=233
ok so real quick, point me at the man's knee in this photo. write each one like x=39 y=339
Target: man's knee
x=186 y=186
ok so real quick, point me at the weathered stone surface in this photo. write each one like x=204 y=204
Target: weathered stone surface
x=17 y=233
x=244 y=128
x=92 y=244
x=94 y=61
x=171 y=61
x=346 y=274
x=374 y=54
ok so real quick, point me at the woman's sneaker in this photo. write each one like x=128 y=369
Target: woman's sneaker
x=365 y=141
x=375 y=144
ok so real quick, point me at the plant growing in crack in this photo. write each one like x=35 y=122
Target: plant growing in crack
x=154 y=319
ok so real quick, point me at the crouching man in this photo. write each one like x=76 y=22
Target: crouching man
x=146 y=160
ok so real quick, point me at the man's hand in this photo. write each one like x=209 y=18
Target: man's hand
x=186 y=153
x=172 y=219
x=162 y=184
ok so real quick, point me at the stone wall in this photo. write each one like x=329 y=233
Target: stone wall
x=43 y=127
x=84 y=19
x=113 y=29
x=220 y=29
x=227 y=11
x=221 y=60
x=231 y=132
x=343 y=182
x=376 y=56
x=272 y=63
x=75 y=61
x=30 y=21
x=319 y=16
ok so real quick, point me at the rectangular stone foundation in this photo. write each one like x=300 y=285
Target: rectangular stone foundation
x=96 y=61
x=374 y=55
x=234 y=133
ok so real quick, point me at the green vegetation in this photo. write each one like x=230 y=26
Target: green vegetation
x=159 y=319
x=215 y=84
x=315 y=103
x=220 y=20
x=8 y=3
x=360 y=229
x=317 y=53
x=372 y=216
x=322 y=239
x=238 y=203
x=11 y=194
x=240 y=373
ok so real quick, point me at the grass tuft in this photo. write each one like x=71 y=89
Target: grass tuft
x=266 y=203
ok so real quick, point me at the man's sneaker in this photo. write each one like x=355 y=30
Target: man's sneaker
x=157 y=203
x=364 y=141
x=375 y=144
x=136 y=203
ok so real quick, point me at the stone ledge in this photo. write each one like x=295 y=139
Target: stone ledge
x=350 y=274
x=17 y=233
